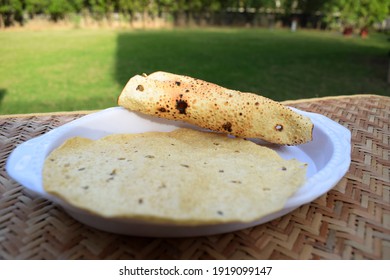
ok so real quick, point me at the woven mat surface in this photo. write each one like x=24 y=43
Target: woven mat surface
x=352 y=221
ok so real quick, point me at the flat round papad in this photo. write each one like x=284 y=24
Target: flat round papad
x=181 y=177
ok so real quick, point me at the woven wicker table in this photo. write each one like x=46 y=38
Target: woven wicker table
x=352 y=221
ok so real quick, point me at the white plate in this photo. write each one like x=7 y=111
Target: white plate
x=328 y=157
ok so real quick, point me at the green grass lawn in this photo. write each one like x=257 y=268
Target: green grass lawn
x=44 y=71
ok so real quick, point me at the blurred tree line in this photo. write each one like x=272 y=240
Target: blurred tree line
x=311 y=13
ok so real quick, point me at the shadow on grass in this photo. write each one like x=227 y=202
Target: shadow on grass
x=278 y=65
x=147 y=52
x=3 y=92
x=204 y=55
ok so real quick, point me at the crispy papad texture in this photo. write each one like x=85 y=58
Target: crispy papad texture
x=211 y=106
x=184 y=177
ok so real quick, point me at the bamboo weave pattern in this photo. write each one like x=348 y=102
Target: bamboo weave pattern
x=352 y=221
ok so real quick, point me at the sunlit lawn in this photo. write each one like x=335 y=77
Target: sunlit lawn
x=44 y=71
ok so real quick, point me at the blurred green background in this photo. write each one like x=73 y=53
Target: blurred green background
x=74 y=68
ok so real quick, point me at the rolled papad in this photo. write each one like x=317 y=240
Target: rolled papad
x=207 y=105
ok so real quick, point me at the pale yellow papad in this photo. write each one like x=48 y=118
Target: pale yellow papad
x=181 y=177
